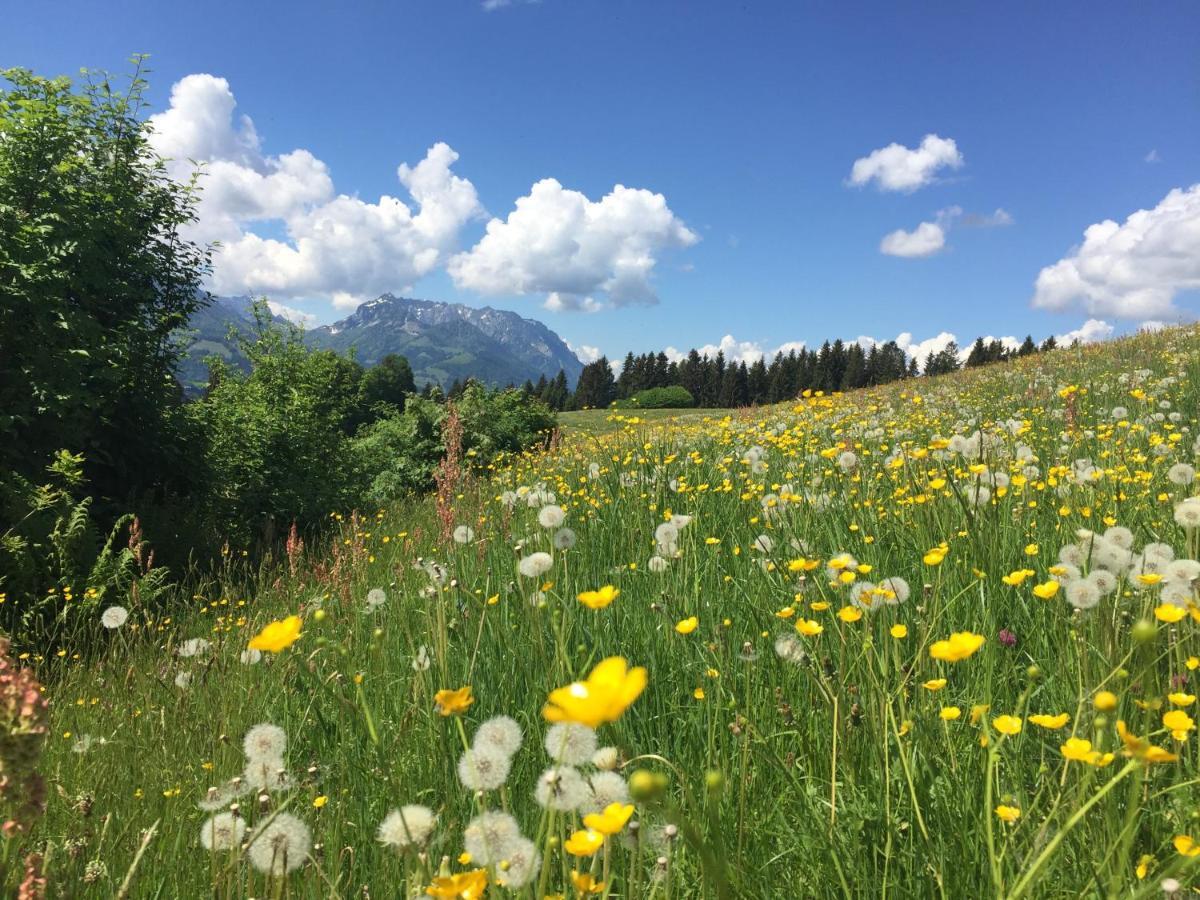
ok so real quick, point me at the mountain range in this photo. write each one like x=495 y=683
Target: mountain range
x=443 y=342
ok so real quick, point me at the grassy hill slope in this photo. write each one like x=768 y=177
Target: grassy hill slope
x=809 y=727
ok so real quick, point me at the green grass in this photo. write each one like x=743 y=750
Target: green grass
x=825 y=771
x=605 y=421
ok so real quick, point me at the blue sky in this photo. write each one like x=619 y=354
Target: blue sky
x=746 y=118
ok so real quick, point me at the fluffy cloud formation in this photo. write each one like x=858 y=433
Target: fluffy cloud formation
x=586 y=353
x=293 y=315
x=1132 y=270
x=914 y=349
x=898 y=168
x=925 y=240
x=1090 y=332
x=337 y=246
x=737 y=351
x=558 y=242
x=930 y=237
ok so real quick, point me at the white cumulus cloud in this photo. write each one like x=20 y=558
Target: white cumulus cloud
x=585 y=352
x=336 y=246
x=558 y=242
x=1089 y=332
x=293 y=315
x=738 y=351
x=1130 y=270
x=899 y=168
x=924 y=240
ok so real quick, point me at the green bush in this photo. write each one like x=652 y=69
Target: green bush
x=277 y=444
x=673 y=397
x=398 y=454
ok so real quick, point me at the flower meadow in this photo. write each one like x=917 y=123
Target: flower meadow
x=932 y=639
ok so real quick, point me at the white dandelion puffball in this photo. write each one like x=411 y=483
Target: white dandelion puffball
x=848 y=461
x=282 y=846
x=564 y=539
x=265 y=741
x=657 y=565
x=1181 y=474
x=219 y=797
x=464 y=534
x=183 y=680
x=763 y=543
x=250 y=656
x=562 y=789
x=266 y=774
x=483 y=768
x=519 y=865
x=224 y=831
x=896 y=590
x=1083 y=593
x=789 y=649
x=500 y=733
x=408 y=825
x=114 y=617
x=551 y=516
x=570 y=744
x=193 y=647
x=535 y=564
x=605 y=788
x=606 y=759
x=489 y=837
x=666 y=534
x=681 y=521
x=1120 y=536
x=1187 y=513
x=376 y=597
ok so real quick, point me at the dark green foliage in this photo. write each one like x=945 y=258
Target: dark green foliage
x=276 y=440
x=597 y=388
x=94 y=279
x=399 y=453
x=944 y=361
x=673 y=397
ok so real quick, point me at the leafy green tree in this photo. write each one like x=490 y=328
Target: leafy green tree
x=596 y=388
x=95 y=276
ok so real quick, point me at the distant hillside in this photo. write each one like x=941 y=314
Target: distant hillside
x=442 y=341
x=448 y=341
x=209 y=336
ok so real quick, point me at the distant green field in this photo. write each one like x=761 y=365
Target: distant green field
x=602 y=421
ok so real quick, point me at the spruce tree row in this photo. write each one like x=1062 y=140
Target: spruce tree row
x=715 y=382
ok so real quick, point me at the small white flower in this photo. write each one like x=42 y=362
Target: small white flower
x=224 y=831
x=420 y=662
x=561 y=788
x=407 y=825
x=500 y=733
x=551 y=516
x=265 y=741
x=464 y=534
x=657 y=565
x=250 y=656
x=114 y=617
x=183 y=680
x=535 y=564
x=570 y=743
x=489 y=837
x=483 y=768
x=281 y=846
x=376 y=597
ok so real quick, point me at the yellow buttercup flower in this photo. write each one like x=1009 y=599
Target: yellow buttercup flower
x=585 y=883
x=1179 y=723
x=1008 y=814
x=1047 y=590
x=808 y=627
x=1007 y=724
x=959 y=646
x=612 y=821
x=599 y=599
x=688 y=625
x=1168 y=613
x=463 y=886
x=899 y=631
x=1105 y=701
x=934 y=684
x=604 y=696
x=849 y=614
x=950 y=713
x=584 y=843
x=1181 y=699
x=277 y=636
x=1050 y=722
x=453 y=703
x=1186 y=845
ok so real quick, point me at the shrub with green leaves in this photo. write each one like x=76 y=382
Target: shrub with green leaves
x=673 y=397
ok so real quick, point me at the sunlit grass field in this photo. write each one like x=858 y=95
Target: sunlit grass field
x=934 y=639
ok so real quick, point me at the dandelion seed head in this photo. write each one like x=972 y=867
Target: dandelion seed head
x=570 y=743
x=281 y=846
x=408 y=825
